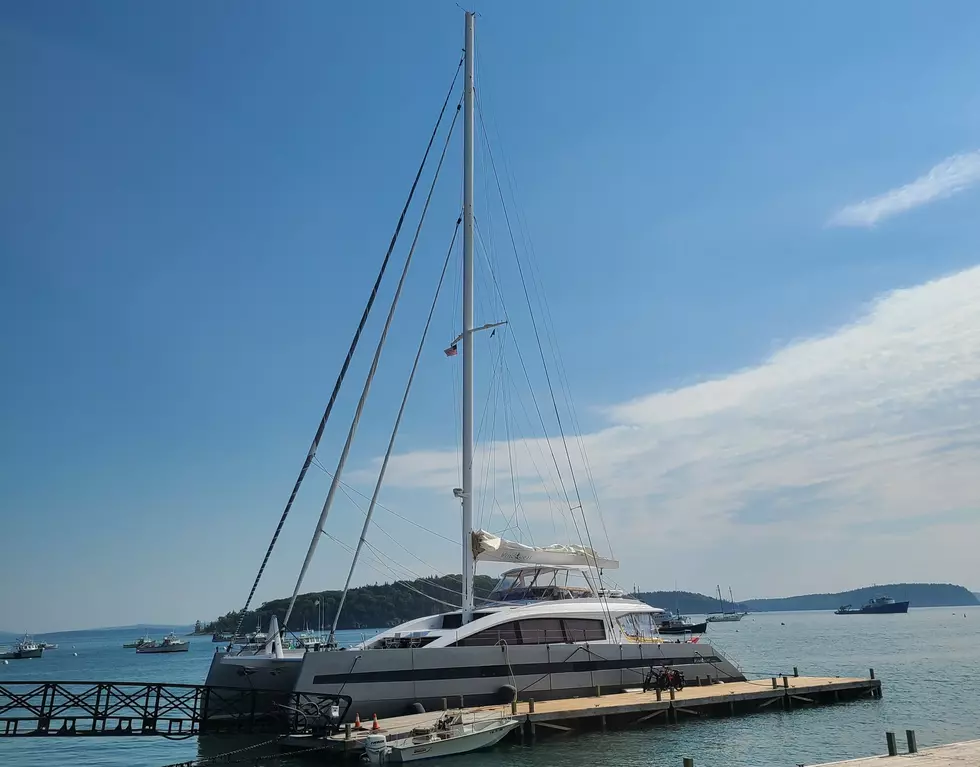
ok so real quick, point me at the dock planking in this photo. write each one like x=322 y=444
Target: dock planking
x=625 y=709
x=965 y=754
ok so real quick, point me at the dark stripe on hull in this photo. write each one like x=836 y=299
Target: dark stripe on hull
x=518 y=669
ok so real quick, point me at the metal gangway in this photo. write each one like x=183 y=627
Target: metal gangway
x=105 y=709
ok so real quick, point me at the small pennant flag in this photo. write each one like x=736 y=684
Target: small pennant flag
x=452 y=351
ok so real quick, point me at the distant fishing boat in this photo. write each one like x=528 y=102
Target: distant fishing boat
x=26 y=648
x=141 y=642
x=170 y=643
x=47 y=646
x=723 y=616
x=679 y=624
x=876 y=606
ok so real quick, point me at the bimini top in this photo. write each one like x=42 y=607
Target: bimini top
x=488 y=547
x=547 y=582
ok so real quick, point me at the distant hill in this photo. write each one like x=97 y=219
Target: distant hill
x=977 y=594
x=377 y=606
x=918 y=594
x=687 y=602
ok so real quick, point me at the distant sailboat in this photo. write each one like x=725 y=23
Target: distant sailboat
x=724 y=616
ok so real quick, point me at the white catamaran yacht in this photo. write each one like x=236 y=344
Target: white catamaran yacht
x=549 y=629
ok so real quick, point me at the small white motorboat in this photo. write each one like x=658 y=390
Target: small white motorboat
x=170 y=643
x=450 y=736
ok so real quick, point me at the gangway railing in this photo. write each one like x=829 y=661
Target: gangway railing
x=72 y=709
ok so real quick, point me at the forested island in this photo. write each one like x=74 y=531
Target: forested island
x=918 y=595
x=376 y=606
x=389 y=604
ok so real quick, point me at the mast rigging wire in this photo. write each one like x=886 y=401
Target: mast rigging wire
x=391 y=511
x=408 y=389
x=311 y=454
x=352 y=431
x=547 y=374
x=547 y=317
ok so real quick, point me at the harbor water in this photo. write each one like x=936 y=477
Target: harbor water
x=928 y=661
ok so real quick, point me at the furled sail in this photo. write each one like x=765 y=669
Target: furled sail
x=488 y=547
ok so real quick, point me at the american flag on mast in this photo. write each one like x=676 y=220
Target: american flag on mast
x=452 y=351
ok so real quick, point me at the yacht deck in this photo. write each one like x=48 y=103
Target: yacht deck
x=621 y=710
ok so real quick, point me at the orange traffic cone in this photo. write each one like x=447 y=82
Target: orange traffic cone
x=376 y=725
x=357 y=721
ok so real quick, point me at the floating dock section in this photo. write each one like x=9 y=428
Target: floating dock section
x=621 y=710
x=965 y=754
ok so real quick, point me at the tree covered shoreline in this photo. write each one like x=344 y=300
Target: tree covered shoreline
x=388 y=604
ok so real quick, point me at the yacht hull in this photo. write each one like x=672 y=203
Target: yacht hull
x=390 y=682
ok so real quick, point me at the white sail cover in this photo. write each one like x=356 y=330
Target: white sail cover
x=488 y=547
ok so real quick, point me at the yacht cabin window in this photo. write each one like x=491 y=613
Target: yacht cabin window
x=638 y=625
x=538 y=631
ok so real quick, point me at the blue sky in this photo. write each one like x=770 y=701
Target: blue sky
x=723 y=203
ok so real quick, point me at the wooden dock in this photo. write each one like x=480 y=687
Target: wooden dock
x=965 y=754
x=623 y=710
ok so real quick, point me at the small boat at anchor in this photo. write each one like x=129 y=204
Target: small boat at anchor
x=876 y=606
x=725 y=616
x=170 y=643
x=449 y=737
x=141 y=642
x=25 y=649
x=680 y=624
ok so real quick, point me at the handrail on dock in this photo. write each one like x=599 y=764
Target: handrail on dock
x=39 y=709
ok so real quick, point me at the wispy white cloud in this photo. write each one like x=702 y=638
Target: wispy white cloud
x=952 y=175
x=872 y=430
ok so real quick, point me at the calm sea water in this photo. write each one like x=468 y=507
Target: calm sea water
x=928 y=660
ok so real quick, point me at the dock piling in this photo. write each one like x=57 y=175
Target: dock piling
x=796 y=671
x=672 y=693
x=910 y=738
x=688 y=762
x=871 y=673
x=445 y=704
x=892 y=745
x=530 y=705
x=774 y=683
x=658 y=695
x=785 y=683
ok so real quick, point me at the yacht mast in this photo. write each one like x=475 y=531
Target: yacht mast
x=468 y=333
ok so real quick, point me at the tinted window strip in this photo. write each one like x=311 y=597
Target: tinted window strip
x=521 y=669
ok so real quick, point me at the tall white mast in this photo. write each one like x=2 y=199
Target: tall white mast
x=468 y=334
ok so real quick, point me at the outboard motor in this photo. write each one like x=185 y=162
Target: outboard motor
x=376 y=749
